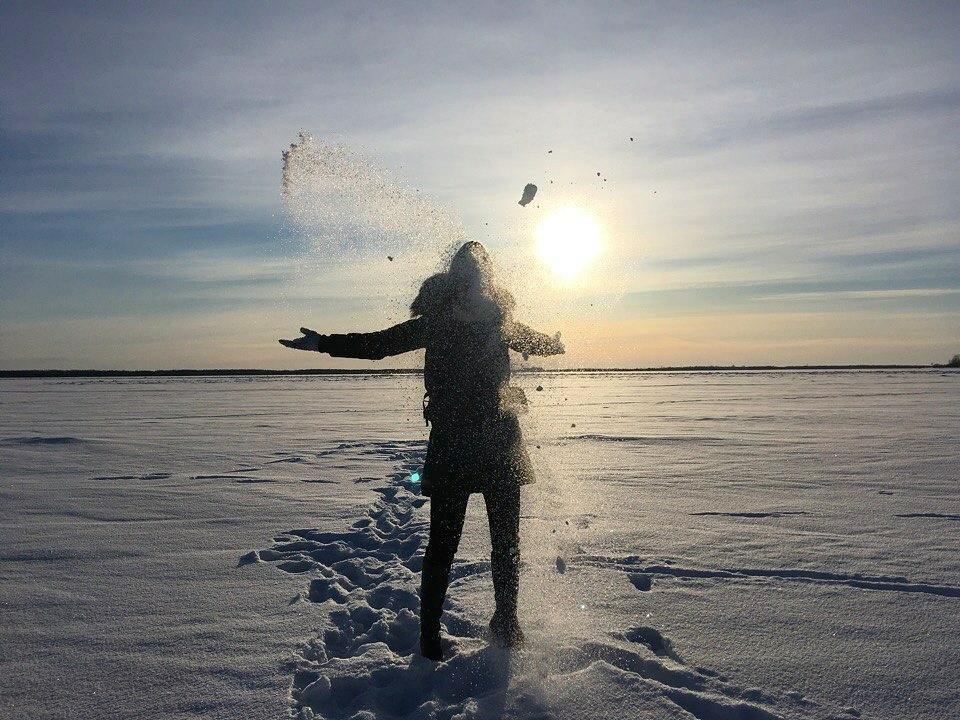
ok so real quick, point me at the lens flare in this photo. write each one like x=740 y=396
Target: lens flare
x=567 y=241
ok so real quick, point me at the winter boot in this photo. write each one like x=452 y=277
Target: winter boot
x=430 y=646
x=505 y=630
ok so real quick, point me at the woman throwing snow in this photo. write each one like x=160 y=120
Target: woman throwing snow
x=466 y=325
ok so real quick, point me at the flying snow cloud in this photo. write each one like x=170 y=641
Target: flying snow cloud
x=344 y=203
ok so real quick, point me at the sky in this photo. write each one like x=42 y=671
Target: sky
x=789 y=194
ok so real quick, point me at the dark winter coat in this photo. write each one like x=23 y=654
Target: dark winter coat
x=475 y=440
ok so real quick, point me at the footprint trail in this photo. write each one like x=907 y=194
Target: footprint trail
x=363 y=663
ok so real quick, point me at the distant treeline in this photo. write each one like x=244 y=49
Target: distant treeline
x=417 y=371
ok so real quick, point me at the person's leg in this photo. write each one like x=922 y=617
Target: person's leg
x=446 y=525
x=503 y=514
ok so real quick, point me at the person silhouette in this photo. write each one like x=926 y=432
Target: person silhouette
x=466 y=325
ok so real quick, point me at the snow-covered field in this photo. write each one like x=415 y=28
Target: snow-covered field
x=699 y=545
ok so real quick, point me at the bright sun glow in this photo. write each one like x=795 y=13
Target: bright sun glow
x=567 y=240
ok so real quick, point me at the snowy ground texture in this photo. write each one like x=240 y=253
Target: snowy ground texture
x=699 y=545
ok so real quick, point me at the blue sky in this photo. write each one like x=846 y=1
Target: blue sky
x=789 y=195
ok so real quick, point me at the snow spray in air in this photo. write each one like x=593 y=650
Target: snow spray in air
x=343 y=207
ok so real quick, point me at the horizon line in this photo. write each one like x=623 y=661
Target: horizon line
x=213 y=372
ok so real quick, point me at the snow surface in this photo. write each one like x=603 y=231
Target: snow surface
x=699 y=545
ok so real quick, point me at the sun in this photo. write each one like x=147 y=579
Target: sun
x=567 y=240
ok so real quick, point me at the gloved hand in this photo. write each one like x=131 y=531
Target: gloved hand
x=311 y=340
x=558 y=348
x=548 y=346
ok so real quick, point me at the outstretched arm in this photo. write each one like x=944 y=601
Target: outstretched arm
x=530 y=342
x=398 y=339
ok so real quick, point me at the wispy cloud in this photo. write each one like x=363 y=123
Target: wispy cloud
x=864 y=294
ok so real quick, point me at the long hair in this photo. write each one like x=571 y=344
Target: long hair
x=466 y=290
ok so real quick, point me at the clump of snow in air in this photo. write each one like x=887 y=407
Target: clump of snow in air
x=529 y=192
